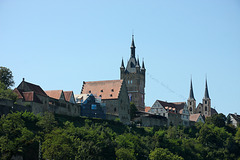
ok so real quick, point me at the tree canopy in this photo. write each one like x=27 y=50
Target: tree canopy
x=6 y=77
x=52 y=136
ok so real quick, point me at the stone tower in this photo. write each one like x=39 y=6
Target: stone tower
x=191 y=101
x=206 y=101
x=134 y=76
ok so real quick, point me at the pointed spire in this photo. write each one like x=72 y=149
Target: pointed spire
x=138 y=64
x=206 y=94
x=143 y=66
x=122 y=66
x=191 y=95
x=133 y=47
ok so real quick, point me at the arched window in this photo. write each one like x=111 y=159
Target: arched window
x=205 y=108
x=190 y=109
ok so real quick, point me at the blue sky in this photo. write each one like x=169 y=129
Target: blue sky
x=58 y=44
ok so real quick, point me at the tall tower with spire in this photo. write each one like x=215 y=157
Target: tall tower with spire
x=191 y=100
x=206 y=101
x=134 y=76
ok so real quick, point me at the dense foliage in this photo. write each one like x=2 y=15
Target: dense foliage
x=61 y=137
x=6 y=77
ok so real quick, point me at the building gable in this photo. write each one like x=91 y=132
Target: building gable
x=105 y=89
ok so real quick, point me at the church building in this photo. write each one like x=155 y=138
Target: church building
x=134 y=76
x=203 y=108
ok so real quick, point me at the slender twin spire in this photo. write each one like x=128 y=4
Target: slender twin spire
x=206 y=94
x=191 y=95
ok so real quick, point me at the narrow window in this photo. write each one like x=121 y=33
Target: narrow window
x=205 y=108
x=112 y=90
x=89 y=91
x=110 y=95
x=101 y=90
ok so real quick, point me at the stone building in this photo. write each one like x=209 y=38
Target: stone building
x=134 y=76
x=63 y=102
x=114 y=94
x=203 y=108
x=33 y=96
x=168 y=110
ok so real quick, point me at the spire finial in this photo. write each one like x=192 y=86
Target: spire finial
x=122 y=65
x=133 y=48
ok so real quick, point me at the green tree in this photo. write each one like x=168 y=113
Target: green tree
x=133 y=110
x=125 y=154
x=6 y=77
x=218 y=120
x=47 y=122
x=14 y=136
x=160 y=154
x=7 y=93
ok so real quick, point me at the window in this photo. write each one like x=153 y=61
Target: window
x=100 y=95
x=94 y=107
x=89 y=91
x=205 y=108
x=115 y=109
x=102 y=90
x=205 y=102
x=131 y=81
x=190 y=103
x=190 y=109
x=112 y=90
x=130 y=97
x=110 y=95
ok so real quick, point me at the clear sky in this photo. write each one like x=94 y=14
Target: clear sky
x=58 y=44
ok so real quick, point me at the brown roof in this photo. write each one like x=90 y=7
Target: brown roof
x=37 y=89
x=31 y=97
x=56 y=94
x=173 y=105
x=194 y=117
x=68 y=95
x=105 y=89
x=147 y=109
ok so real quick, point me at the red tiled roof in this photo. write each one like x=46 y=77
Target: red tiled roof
x=56 y=94
x=68 y=95
x=19 y=93
x=31 y=97
x=105 y=89
x=194 y=117
x=147 y=109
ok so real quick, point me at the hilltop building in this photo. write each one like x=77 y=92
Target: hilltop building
x=114 y=94
x=134 y=76
x=203 y=108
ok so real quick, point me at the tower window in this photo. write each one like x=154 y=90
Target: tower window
x=205 y=108
x=89 y=91
x=190 y=109
x=112 y=90
x=110 y=95
x=190 y=103
x=115 y=109
x=102 y=90
x=205 y=102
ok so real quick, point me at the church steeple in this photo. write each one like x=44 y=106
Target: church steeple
x=132 y=48
x=206 y=94
x=191 y=95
